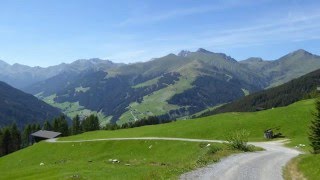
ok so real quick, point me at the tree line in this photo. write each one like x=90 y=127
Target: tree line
x=13 y=139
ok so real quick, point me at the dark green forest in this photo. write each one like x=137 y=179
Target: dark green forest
x=301 y=88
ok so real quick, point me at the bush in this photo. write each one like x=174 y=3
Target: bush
x=239 y=140
x=214 y=149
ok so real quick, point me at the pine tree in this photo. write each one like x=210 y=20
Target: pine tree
x=76 y=127
x=6 y=141
x=90 y=123
x=1 y=148
x=26 y=135
x=314 y=135
x=61 y=125
x=15 y=137
x=47 y=126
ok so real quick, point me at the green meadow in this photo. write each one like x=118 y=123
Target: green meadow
x=140 y=159
x=154 y=159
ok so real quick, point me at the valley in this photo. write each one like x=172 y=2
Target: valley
x=137 y=157
x=170 y=87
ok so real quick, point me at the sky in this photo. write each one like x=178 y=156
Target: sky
x=45 y=33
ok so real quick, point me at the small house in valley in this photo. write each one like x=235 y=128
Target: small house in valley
x=43 y=135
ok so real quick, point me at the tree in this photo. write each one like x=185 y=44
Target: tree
x=1 y=148
x=314 y=134
x=60 y=124
x=47 y=126
x=15 y=137
x=26 y=135
x=76 y=127
x=90 y=123
x=6 y=141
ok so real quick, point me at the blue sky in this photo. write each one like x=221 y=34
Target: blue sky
x=49 y=32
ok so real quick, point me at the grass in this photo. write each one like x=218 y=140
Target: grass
x=147 y=83
x=165 y=159
x=292 y=120
x=90 y=160
x=156 y=102
x=71 y=109
x=291 y=171
x=309 y=164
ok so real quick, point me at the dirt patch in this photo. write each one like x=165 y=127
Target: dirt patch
x=292 y=172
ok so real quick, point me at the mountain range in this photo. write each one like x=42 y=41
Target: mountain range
x=21 y=76
x=168 y=87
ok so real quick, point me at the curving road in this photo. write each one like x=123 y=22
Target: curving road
x=262 y=165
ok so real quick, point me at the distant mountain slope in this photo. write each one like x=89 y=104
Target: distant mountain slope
x=21 y=76
x=282 y=95
x=284 y=69
x=17 y=106
x=169 y=87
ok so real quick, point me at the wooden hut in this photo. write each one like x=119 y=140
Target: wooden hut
x=43 y=135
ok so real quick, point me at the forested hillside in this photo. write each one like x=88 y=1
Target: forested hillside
x=283 y=95
x=21 y=108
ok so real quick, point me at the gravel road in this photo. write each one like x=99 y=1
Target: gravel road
x=262 y=165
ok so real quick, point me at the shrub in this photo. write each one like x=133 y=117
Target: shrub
x=214 y=149
x=239 y=140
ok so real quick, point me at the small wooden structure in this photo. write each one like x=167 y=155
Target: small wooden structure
x=260 y=109
x=268 y=134
x=43 y=135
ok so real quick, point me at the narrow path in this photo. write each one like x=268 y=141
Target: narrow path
x=137 y=138
x=262 y=165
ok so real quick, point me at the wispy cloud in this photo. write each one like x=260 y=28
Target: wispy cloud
x=145 y=17
x=288 y=29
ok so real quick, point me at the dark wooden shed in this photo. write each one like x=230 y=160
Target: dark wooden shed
x=43 y=135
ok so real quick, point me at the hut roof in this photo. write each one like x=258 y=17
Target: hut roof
x=46 y=134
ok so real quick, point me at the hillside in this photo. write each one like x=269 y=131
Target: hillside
x=157 y=87
x=17 y=106
x=170 y=87
x=286 y=68
x=91 y=159
x=282 y=95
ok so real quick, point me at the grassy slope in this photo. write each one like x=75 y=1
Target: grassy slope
x=292 y=120
x=71 y=109
x=156 y=103
x=90 y=160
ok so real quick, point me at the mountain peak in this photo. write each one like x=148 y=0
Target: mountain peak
x=184 y=53
x=201 y=50
x=301 y=52
x=254 y=59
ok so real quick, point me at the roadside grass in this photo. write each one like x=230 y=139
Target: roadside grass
x=292 y=120
x=291 y=170
x=309 y=164
x=139 y=159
